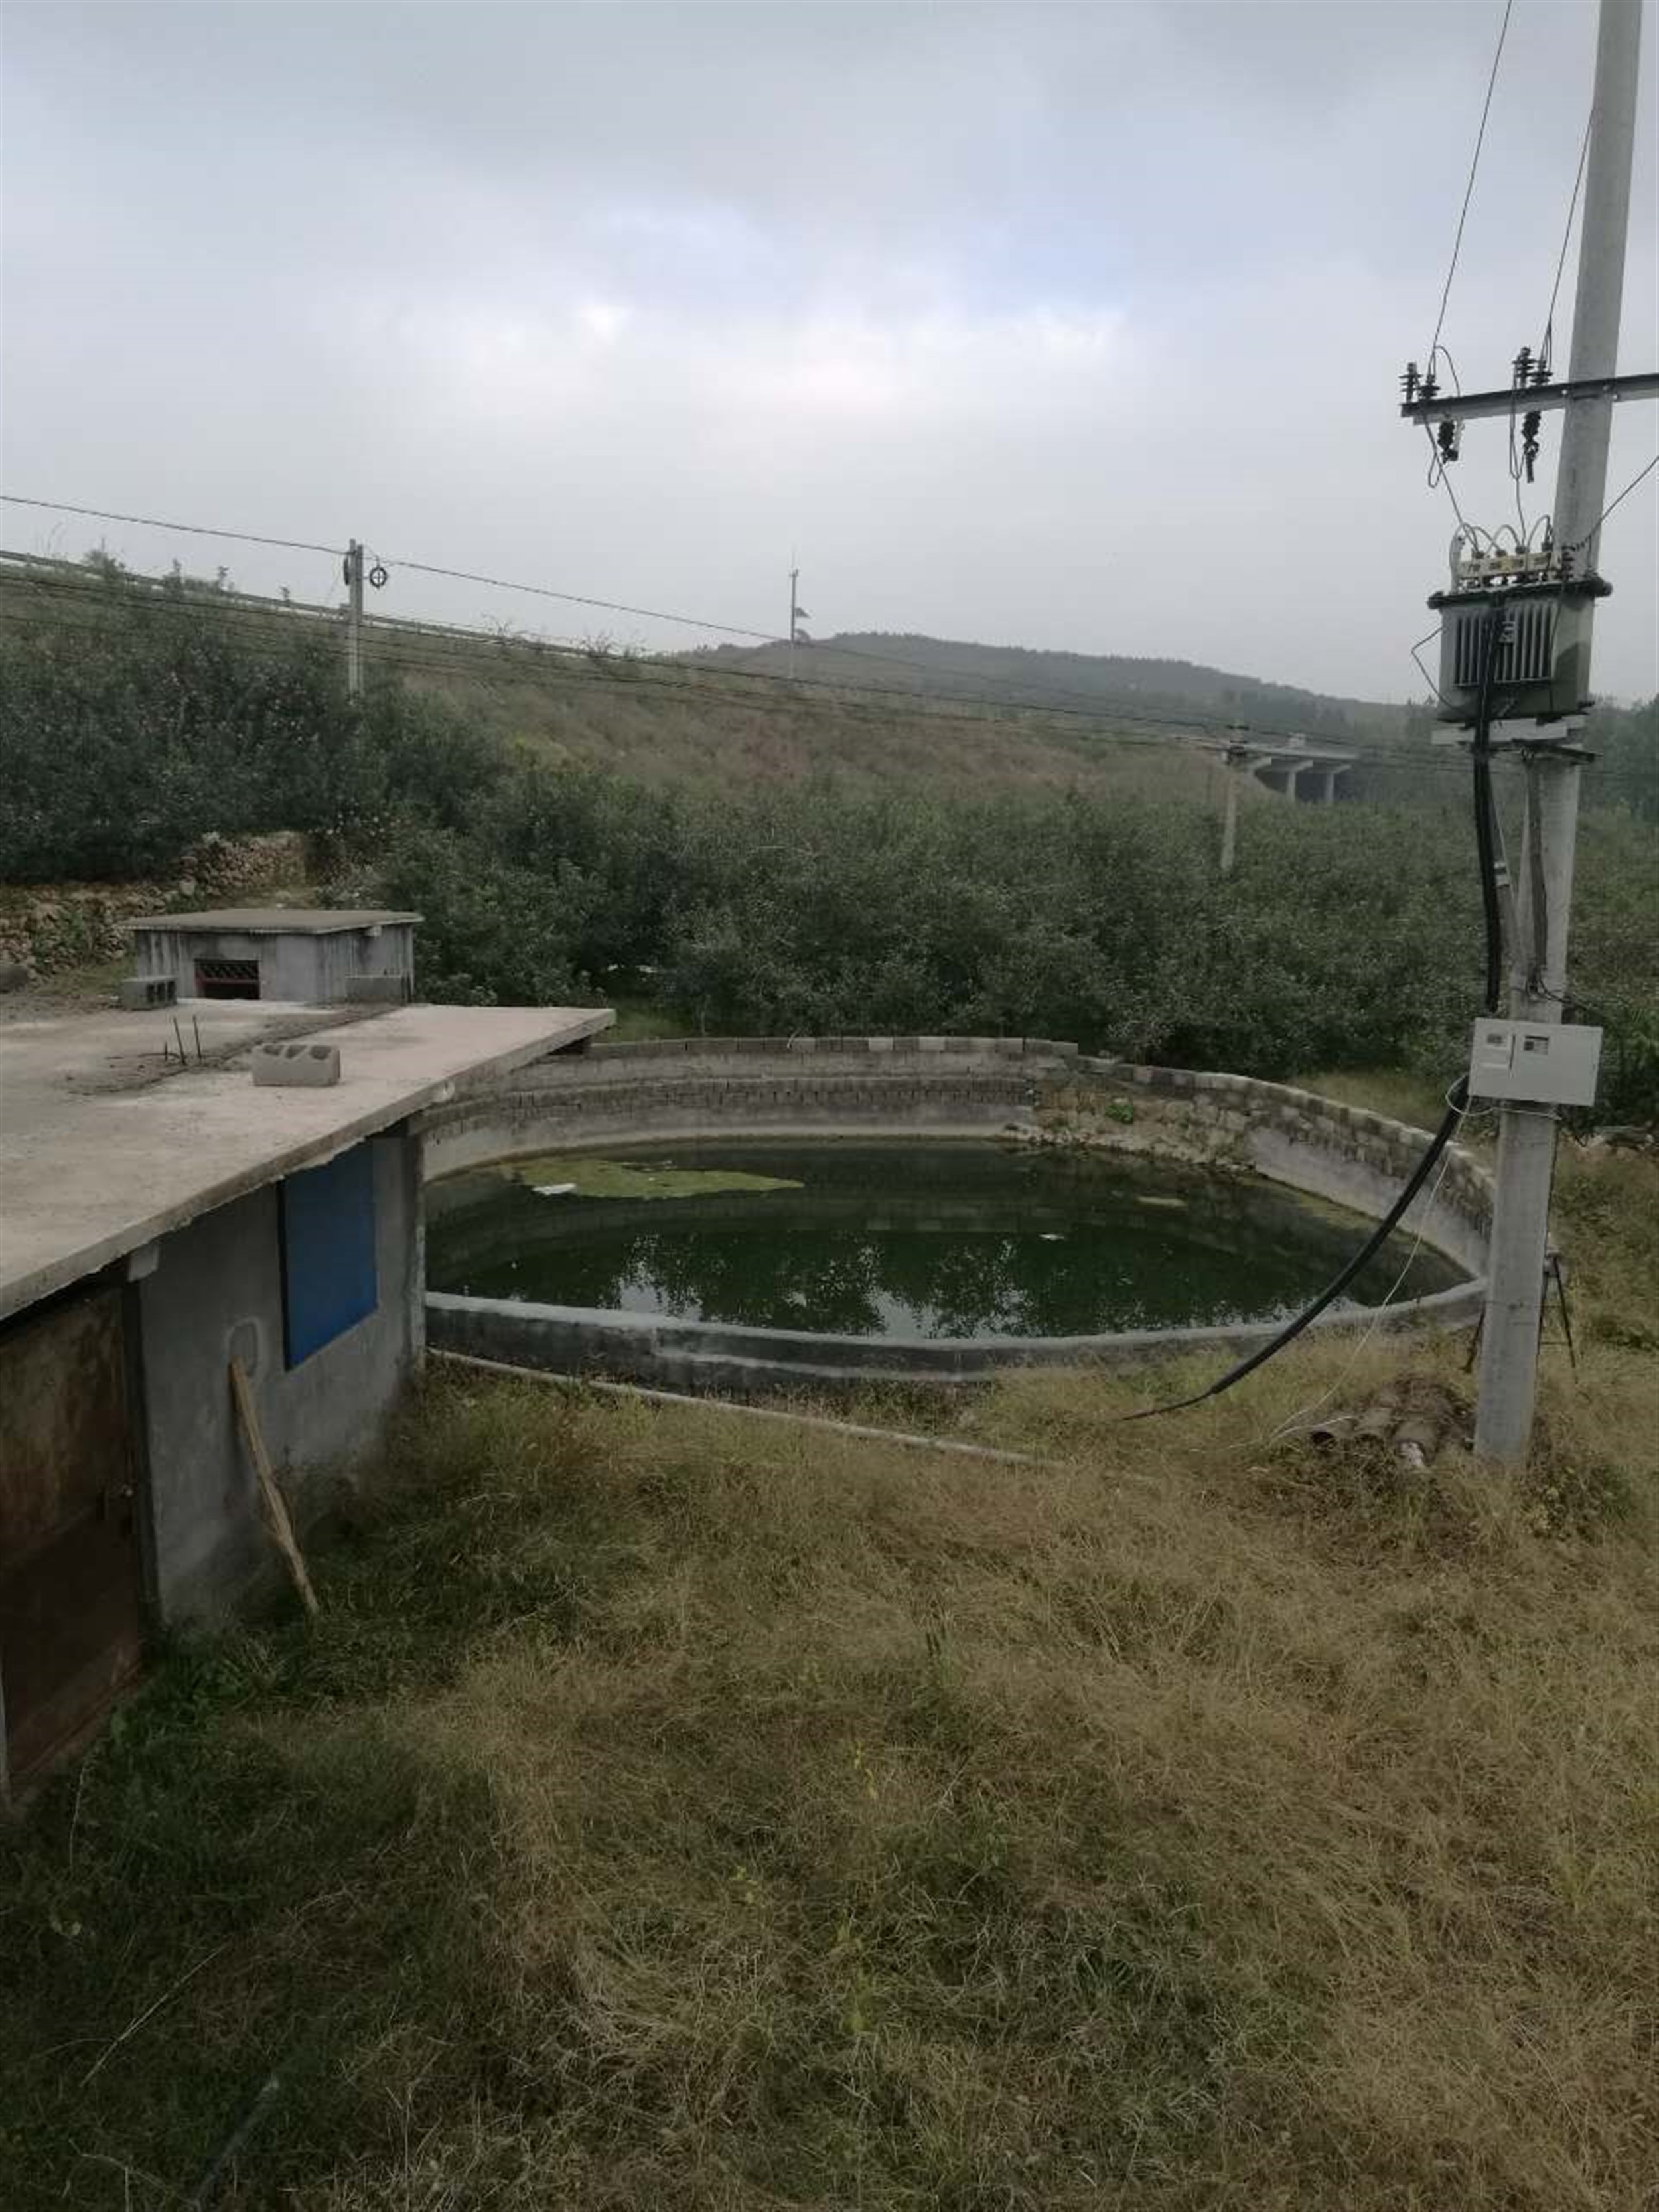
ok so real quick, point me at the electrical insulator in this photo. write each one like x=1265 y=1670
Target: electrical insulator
x=1530 y=427
x=1446 y=439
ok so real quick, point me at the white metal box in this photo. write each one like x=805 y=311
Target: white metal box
x=1552 y=1063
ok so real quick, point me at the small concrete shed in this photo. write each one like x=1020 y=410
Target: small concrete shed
x=303 y=956
x=158 y=1221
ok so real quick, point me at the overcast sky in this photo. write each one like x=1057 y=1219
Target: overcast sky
x=1060 y=326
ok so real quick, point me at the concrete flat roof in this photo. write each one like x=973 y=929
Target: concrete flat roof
x=274 y=920
x=104 y=1146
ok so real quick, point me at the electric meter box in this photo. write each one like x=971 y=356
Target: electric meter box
x=1550 y=1063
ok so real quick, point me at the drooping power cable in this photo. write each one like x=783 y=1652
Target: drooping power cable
x=1457 y=1098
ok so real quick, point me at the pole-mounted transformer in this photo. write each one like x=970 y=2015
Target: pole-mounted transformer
x=1542 y=669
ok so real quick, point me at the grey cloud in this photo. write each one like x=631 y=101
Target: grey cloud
x=1018 y=319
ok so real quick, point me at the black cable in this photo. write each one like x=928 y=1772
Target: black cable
x=1579 y=543
x=1457 y=1098
x=1486 y=843
x=1468 y=189
x=1546 y=344
x=49 y=580
x=150 y=522
x=1094 y=705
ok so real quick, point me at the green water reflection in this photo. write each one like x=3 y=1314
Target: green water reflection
x=962 y=1239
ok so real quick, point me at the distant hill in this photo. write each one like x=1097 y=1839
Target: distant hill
x=1097 y=684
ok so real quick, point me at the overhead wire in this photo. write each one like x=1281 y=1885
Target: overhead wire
x=1084 y=701
x=1546 y=342
x=1589 y=536
x=187 y=529
x=442 y=648
x=1469 y=188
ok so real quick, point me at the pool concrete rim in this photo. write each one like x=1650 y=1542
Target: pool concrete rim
x=617 y=1340
x=1271 y=1133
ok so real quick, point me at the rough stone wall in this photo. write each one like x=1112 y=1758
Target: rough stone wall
x=47 y=927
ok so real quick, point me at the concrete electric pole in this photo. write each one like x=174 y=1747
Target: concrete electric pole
x=1233 y=759
x=1526 y=1144
x=353 y=577
x=1543 y=606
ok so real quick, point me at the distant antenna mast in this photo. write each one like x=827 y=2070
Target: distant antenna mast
x=798 y=615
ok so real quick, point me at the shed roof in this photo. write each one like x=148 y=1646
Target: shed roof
x=273 y=920
x=104 y=1146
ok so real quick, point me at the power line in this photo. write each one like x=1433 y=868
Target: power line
x=441 y=649
x=580 y=599
x=1579 y=543
x=67 y=578
x=1546 y=343
x=1468 y=189
x=150 y=522
x=1091 y=704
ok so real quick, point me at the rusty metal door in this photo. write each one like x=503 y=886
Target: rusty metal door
x=71 y=1576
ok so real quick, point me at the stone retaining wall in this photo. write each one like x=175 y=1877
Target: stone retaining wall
x=1034 y=1089
x=47 y=927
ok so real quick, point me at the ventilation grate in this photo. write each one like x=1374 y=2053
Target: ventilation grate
x=1525 y=650
x=227 y=979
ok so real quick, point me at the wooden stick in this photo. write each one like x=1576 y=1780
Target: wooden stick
x=270 y=1498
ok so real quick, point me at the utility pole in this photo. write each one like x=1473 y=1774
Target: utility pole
x=1232 y=761
x=353 y=577
x=794 y=613
x=1526 y=1146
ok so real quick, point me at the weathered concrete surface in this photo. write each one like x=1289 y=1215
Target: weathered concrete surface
x=88 y=1173
x=273 y=920
x=312 y=955
x=713 y=1356
x=217 y=1291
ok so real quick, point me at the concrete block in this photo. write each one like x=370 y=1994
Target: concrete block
x=140 y=993
x=879 y=1044
x=378 y=990
x=803 y=1045
x=298 y=1066
x=930 y=1043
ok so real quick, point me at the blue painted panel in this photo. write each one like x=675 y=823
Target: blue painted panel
x=328 y=1251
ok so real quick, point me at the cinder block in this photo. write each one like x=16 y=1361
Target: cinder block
x=140 y=993
x=297 y=1066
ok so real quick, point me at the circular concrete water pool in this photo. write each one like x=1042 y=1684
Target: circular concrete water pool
x=900 y=1241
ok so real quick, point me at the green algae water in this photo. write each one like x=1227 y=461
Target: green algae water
x=901 y=1239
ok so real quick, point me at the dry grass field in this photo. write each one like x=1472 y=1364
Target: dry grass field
x=674 y=1811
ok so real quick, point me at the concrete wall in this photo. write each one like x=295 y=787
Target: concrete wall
x=308 y=967
x=216 y=1290
x=1038 y=1089
x=695 y=1355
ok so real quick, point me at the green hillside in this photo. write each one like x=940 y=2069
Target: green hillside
x=857 y=709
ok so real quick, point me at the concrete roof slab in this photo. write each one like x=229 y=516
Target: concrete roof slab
x=104 y=1146
x=273 y=920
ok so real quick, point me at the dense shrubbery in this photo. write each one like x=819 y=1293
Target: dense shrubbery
x=1346 y=936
